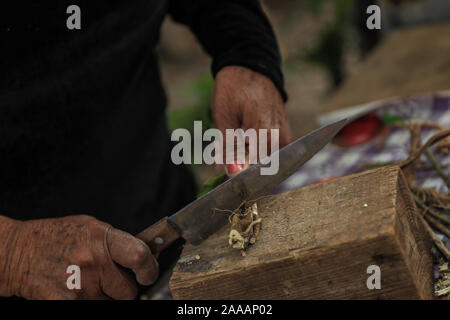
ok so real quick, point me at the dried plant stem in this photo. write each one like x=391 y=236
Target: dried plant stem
x=434 y=139
x=430 y=167
x=436 y=224
x=433 y=125
x=438 y=168
x=439 y=244
x=423 y=196
x=430 y=211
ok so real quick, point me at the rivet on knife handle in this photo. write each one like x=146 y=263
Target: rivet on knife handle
x=159 y=236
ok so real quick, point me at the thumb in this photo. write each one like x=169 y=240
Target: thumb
x=134 y=254
x=235 y=168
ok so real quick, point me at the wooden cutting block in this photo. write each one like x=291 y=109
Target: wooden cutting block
x=318 y=242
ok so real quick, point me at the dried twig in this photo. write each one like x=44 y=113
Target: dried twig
x=439 y=244
x=436 y=224
x=427 y=198
x=430 y=211
x=434 y=139
x=438 y=168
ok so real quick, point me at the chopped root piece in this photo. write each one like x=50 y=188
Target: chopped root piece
x=245 y=226
x=236 y=240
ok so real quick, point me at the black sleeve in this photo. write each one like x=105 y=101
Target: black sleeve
x=233 y=32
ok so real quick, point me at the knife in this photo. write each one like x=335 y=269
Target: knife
x=197 y=221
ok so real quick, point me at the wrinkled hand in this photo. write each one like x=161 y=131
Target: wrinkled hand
x=246 y=99
x=41 y=251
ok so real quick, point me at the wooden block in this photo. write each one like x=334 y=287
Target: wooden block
x=317 y=243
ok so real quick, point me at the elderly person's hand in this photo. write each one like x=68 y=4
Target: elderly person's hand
x=246 y=99
x=36 y=254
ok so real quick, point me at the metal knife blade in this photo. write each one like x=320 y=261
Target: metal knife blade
x=197 y=221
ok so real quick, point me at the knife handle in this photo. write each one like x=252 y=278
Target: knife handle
x=159 y=236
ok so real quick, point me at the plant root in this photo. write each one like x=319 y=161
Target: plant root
x=245 y=226
x=431 y=204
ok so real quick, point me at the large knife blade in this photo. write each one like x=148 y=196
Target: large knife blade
x=197 y=221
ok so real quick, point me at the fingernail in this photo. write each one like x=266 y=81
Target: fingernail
x=234 y=167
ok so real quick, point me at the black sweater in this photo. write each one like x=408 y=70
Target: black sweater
x=82 y=119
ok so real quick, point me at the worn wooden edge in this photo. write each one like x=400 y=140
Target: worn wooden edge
x=413 y=240
x=349 y=283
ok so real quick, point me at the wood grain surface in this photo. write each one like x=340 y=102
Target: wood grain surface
x=317 y=243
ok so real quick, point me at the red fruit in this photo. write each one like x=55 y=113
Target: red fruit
x=359 y=131
x=234 y=167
